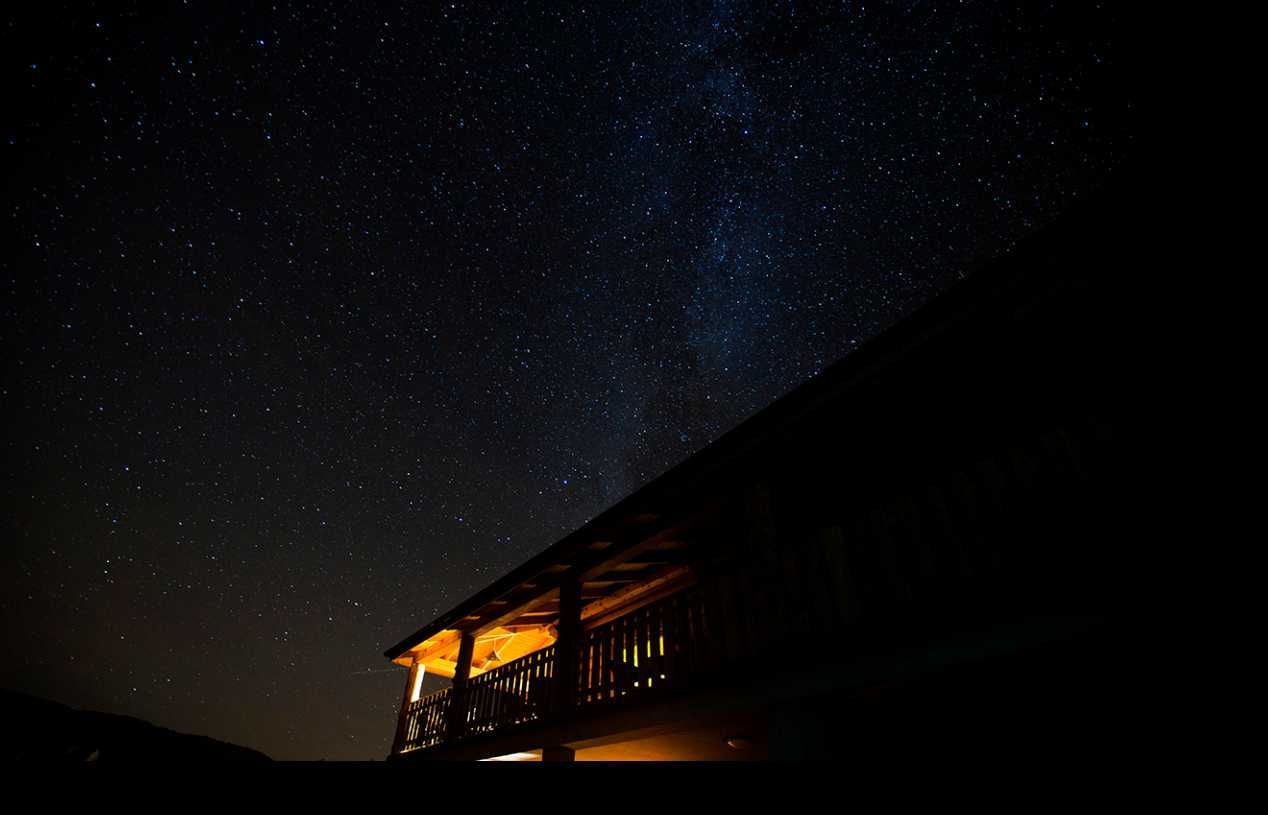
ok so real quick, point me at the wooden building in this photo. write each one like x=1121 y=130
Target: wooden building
x=922 y=542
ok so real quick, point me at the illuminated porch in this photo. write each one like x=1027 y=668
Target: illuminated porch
x=655 y=648
x=613 y=621
x=589 y=650
x=843 y=542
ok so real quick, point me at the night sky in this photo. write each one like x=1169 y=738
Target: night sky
x=316 y=319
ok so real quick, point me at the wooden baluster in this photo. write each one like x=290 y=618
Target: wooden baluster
x=501 y=697
x=580 y=669
x=507 y=698
x=846 y=600
x=658 y=644
x=645 y=648
x=605 y=662
x=610 y=659
x=648 y=657
x=654 y=662
x=638 y=645
x=521 y=691
x=687 y=632
x=526 y=690
x=596 y=665
x=670 y=656
x=695 y=631
x=657 y=639
x=506 y=702
x=548 y=675
x=494 y=705
x=540 y=683
x=733 y=621
x=648 y=643
x=617 y=647
x=626 y=668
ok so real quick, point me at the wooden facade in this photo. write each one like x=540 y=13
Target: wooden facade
x=946 y=508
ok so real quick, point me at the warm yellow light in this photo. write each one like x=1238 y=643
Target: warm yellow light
x=515 y=757
x=417 y=688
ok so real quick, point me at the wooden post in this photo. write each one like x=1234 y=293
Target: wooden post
x=757 y=534
x=761 y=576
x=845 y=600
x=412 y=683
x=566 y=646
x=458 y=702
x=559 y=753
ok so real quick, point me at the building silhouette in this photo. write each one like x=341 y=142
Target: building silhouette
x=923 y=544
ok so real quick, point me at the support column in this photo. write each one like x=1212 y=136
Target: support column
x=559 y=753
x=569 y=629
x=412 y=684
x=758 y=588
x=757 y=533
x=458 y=703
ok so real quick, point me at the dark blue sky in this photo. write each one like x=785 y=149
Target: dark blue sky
x=319 y=318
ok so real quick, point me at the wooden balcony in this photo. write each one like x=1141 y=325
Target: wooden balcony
x=898 y=573
x=649 y=651
x=506 y=696
x=688 y=640
x=977 y=465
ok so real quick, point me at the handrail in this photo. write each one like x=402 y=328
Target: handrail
x=509 y=694
x=425 y=720
x=654 y=647
x=669 y=643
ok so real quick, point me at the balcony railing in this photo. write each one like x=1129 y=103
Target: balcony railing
x=426 y=721
x=659 y=646
x=946 y=549
x=667 y=644
x=656 y=647
x=510 y=694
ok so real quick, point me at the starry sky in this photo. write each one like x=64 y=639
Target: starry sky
x=317 y=318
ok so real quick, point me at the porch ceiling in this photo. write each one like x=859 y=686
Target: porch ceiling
x=529 y=596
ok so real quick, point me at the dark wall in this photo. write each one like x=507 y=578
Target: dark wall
x=983 y=462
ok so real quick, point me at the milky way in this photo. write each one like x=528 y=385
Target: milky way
x=318 y=319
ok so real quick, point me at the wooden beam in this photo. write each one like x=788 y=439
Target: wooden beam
x=448 y=667
x=673 y=534
x=638 y=538
x=671 y=580
x=516 y=612
x=606 y=582
x=523 y=643
x=665 y=553
x=630 y=566
x=443 y=667
x=439 y=645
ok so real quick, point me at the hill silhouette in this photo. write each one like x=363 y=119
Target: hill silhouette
x=43 y=731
